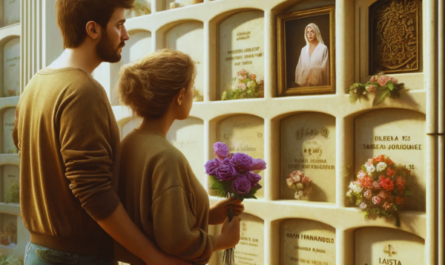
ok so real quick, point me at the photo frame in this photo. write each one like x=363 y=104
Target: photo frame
x=305 y=66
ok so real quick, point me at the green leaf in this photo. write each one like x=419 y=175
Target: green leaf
x=408 y=193
x=390 y=86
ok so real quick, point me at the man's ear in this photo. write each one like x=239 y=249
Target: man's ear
x=93 y=30
x=181 y=96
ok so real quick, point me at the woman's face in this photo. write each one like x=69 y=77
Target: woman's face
x=310 y=33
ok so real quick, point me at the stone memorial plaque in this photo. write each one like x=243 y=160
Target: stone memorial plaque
x=307 y=242
x=11 y=68
x=241 y=47
x=135 y=48
x=375 y=246
x=399 y=134
x=244 y=134
x=10 y=184
x=141 y=7
x=129 y=126
x=308 y=145
x=188 y=136
x=189 y=38
x=250 y=249
x=170 y=4
x=8 y=127
x=11 y=12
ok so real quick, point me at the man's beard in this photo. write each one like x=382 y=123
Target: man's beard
x=107 y=53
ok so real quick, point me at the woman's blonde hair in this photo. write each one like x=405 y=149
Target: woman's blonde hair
x=317 y=33
x=149 y=85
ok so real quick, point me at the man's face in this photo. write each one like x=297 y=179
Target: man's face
x=113 y=38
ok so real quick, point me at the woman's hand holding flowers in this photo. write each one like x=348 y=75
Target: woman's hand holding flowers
x=218 y=212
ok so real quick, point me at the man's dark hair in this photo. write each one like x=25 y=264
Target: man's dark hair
x=73 y=15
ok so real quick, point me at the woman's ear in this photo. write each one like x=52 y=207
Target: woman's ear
x=181 y=96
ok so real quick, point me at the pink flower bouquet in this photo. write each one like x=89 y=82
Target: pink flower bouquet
x=382 y=85
x=245 y=85
x=380 y=188
x=300 y=183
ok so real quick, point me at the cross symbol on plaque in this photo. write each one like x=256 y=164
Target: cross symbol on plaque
x=390 y=250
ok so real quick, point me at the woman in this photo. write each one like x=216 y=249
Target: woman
x=157 y=185
x=313 y=65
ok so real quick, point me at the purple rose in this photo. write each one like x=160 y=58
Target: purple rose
x=242 y=162
x=253 y=178
x=241 y=185
x=221 y=150
x=225 y=172
x=211 y=166
x=258 y=164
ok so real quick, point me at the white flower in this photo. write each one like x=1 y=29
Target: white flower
x=349 y=193
x=381 y=166
x=370 y=169
x=363 y=205
x=354 y=187
x=301 y=193
x=249 y=84
x=297 y=196
x=259 y=79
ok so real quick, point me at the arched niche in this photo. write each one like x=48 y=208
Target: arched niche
x=307 y=242
x=308 y=143
x=8 y=117
x=377 y=245
x=9 y=182
x=188 y=136
x=141 y=8
x=399 y=134
x=250 y=249
x=138 y=46
x=244 y=134
x=172 y=4
x=11 y=68
x=241 y=56
x=188 y=37
x=8 y=225
x=11 y=12
x=373 y=42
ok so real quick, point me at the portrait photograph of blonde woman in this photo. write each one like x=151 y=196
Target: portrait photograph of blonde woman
x=306 y=52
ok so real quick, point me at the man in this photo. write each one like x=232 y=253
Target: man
x=68 y=143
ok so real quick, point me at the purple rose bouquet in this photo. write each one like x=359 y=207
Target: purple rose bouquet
x=234 y=175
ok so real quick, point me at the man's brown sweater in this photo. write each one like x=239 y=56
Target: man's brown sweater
x=68 y=140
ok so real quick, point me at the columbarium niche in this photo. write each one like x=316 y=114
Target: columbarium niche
x=189 y=38
x=250 y=249
x=307 y=242
x=11 y=12
x=188 y=136
x=141 y=8
x=244 y=134
x=376 y=245
x=8 y=127
x=172 y=4
x=135 y=48
x=308 y=145
x=399 y=134
x=9 y=181
x=241 y=56
x=8 y=233
x=11 y=68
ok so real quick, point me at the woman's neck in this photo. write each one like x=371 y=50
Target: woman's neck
x=313 y=43
x=157 y=125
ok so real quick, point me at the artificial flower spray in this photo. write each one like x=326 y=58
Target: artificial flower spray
x=234 y=175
